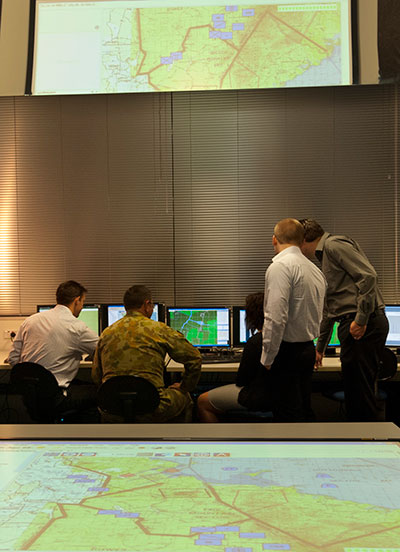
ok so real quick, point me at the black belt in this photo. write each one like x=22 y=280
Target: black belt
x=352 y=315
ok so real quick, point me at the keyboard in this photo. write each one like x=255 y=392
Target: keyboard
x=224 y=358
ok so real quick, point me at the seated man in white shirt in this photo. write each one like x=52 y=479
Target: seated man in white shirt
x=56 y=340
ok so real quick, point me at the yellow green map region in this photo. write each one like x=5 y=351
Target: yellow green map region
x=152 y=505
x=199 y=327
x=239 y=46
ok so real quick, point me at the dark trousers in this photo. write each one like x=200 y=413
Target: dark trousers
x=360 y=363
x=291 y=374
x=80 y=396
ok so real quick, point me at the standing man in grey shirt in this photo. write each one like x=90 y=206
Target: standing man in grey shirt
x=354 y=300
x=293 y=307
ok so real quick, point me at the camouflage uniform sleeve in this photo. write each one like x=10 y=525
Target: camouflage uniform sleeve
x=179 y=349
x=97 y=371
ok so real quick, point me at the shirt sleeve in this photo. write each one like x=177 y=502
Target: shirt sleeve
x=361 y=272
x=325 y=334
x=15 y=353
x=276 y=308
x=180 y=350
x=97 y=371
x=87 y=340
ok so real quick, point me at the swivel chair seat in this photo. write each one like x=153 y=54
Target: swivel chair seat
x=126 y=397
x=41 y=395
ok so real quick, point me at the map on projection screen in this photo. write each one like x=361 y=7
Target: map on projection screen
x=111 y=46
x=200 y=496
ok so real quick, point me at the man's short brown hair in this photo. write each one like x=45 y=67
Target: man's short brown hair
x=68 y=291
x=312 y=230
x=289 y=231
x=135 y=296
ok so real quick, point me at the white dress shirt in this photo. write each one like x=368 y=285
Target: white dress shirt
x=56 y=339
x=294 y=300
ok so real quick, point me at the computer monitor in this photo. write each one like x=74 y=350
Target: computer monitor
x=90 y=314
x=240 y=331
x=203 y=327
x=393 y=315
x=115 y=312
x=334 y=340
x=218 y=494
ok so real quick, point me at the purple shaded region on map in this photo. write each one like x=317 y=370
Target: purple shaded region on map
x=248 y=13
x=276 y=546
x=214 y=34
x=99 y=489
x=226 y=36
x=109 y=512
x=166 y=61
x=202 y=529
x=238 y=549
x=174 y=56
x=237 y=26
x=252 y=535
x=219 y=24
x=231 y=8
x=227 y=528
x=218 y=17
x=127 y=515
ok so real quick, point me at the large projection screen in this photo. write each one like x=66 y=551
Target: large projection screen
x=119 y=46
x=224 y=496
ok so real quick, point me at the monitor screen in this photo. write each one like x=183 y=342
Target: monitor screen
x=116 y=312
x=334 y=340
x=228 y=496
x=393 y=315
x=203 y=327
x=240 y=332
x=120 y=46
x=90 y=314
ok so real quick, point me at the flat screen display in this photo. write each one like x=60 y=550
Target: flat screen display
x=334 y=340
x=90 y=314
x=190 y=496
x=240 y=332
x=116 y=312
x=393 y=315
x=119 y=46
x=203 y=327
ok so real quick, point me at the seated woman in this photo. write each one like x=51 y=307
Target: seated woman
x=252 y=390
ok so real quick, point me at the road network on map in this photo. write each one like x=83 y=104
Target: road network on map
x=211 y=47
x=194 y=501
x=198 y=326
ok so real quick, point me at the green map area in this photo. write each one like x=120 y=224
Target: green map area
x=149 y=504
x=223 y=47
x=199 y=327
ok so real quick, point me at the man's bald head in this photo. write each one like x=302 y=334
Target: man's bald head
x=289 y=231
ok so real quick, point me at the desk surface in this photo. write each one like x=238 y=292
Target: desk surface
x=329 y=364
x=312 y=431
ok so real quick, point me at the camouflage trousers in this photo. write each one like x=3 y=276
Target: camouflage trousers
x=174 y=407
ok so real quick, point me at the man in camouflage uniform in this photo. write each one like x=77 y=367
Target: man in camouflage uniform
x=137 y=346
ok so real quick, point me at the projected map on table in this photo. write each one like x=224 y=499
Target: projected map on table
x=211 y=497
x=147 y=46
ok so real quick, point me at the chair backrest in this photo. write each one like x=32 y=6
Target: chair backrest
x=127 y=396
x=39 y=389
x=387 y=365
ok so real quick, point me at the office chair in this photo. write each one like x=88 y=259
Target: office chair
x=387 y=369
x=41 y=395
x=125 y=397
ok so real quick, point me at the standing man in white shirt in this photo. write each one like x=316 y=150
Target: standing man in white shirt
x=293 y=307
x=56 y=339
